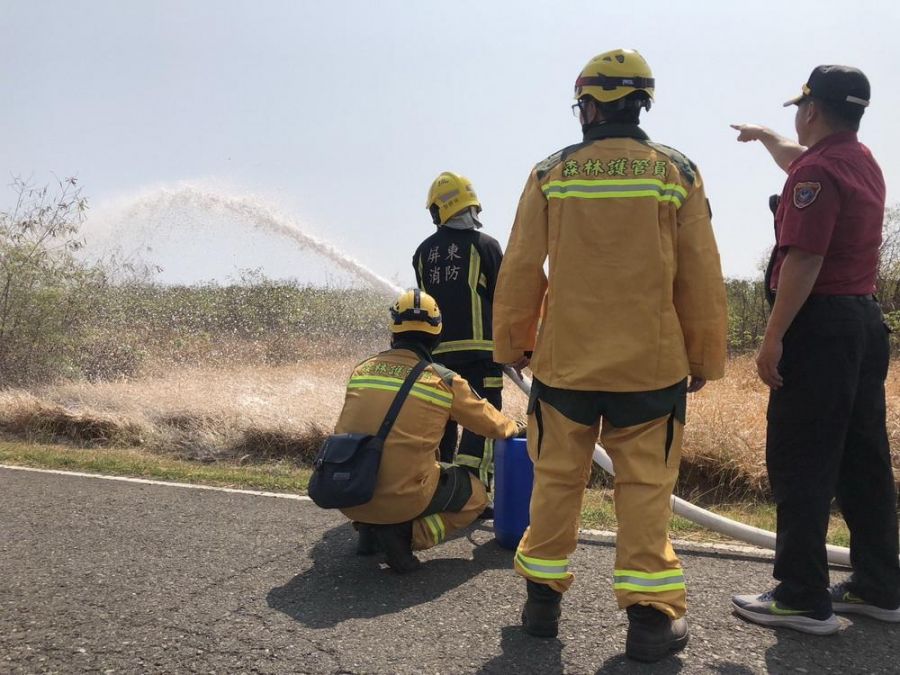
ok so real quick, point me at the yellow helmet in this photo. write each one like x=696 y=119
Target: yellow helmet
x=613 y=75
x=415 y=310
x=449 y=194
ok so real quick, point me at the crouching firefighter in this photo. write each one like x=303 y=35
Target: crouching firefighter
x=417 y=502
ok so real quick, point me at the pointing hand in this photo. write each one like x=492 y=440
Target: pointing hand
x=750 y=132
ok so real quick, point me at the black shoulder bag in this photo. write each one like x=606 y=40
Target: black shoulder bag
x=346 y=468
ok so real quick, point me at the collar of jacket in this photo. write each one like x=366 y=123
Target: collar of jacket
x=415 y=348
x=595 y=132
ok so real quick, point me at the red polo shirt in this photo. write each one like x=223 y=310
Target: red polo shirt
x=833 y=206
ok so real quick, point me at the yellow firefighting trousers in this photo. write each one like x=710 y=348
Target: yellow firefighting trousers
x=647 y=571
x=431 y=530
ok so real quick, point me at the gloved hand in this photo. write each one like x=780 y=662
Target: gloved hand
x=521 y=430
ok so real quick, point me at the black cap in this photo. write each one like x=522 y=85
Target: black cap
x=839 y=84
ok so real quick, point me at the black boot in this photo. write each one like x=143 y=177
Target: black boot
x=652 y=635
x=396 y=542
x=540 y=616
x=367 y=544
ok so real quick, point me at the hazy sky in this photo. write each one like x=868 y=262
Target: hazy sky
x=340 y=114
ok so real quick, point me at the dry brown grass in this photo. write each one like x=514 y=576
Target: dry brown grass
x=251 y=413
x=24 y=414
x=258 y=413
x=725 y=437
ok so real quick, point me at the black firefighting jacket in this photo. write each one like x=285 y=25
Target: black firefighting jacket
x=459 y=269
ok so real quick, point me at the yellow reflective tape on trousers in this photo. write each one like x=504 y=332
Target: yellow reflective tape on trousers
x=436 y=525
x=493 y=382
x=474 y=273
x=464 y=345
x=648 y=582
x=543 y=569
x=612 y=189
x=420 y=391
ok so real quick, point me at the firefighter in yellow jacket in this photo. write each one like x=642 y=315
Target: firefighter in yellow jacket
x=417 y=502
x=633 y=306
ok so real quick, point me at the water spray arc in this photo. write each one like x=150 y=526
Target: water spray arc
x=250 y=209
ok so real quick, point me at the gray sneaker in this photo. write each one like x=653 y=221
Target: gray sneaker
x=766 y=610
x=845 y=601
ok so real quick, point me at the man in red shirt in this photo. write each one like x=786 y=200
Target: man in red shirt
x=825 y=357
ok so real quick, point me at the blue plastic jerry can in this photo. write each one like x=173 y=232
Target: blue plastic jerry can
x=513 y=480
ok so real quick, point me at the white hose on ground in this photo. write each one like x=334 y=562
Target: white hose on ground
x=837 y=555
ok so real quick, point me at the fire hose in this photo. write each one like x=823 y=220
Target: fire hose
x=837 y=555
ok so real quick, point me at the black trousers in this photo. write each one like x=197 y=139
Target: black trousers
x=476 y=373
x=826 y=438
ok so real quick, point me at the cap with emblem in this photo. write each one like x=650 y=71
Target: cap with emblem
x=838 y=84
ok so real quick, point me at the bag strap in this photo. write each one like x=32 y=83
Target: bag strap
x=394 y=410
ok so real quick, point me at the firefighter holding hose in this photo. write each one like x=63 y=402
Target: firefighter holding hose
x=634 y=318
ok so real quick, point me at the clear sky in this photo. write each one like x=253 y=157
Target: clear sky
x=340 y=114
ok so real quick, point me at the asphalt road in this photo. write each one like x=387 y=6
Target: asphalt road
x=103 y=576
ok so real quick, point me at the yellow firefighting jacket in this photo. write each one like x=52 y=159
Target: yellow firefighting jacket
x=635 y=299
x=408 y=475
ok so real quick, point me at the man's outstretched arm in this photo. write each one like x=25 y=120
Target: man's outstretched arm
x=783 y=150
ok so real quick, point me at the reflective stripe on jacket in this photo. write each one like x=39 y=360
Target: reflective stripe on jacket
x=409 y=472
x=634 y=299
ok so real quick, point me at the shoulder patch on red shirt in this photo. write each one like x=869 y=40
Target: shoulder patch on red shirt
x=806 y=193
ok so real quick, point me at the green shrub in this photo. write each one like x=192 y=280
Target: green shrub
x=47 y=296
